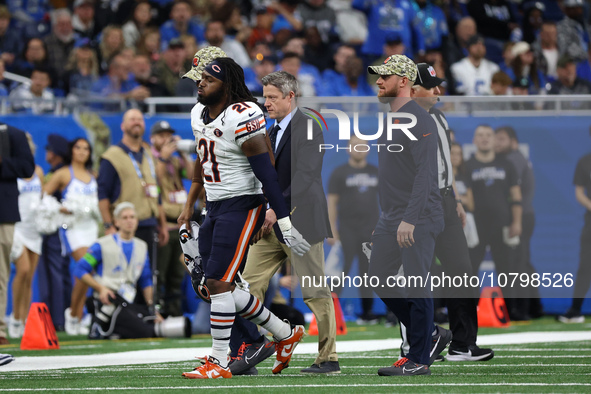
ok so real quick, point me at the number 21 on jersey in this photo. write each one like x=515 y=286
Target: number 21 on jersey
x=209 y=156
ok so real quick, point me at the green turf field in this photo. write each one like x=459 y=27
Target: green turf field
x=561 y=367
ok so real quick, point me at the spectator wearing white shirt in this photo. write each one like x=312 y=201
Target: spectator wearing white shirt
x=473 y=74
x=546 y=49
x=37 y=89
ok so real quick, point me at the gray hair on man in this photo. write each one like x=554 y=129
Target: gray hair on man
x=283 y=81
x=56 y=15
x=122 y=206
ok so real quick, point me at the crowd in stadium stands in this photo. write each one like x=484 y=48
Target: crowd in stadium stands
x=137 y=48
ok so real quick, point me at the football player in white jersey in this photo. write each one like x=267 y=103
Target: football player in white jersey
x=234 y=165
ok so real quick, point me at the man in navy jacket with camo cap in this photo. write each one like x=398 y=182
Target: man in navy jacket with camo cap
x=411 y=217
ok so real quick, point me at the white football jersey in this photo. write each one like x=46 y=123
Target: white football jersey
x=226 y=170
x=473 y=81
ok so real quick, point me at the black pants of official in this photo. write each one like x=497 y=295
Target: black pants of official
x=490 y=233
x=528 y=302
x=352 y=237
x=583 y=278
x=451 y=249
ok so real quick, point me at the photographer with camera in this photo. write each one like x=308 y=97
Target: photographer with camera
x=114 y=267
x=172 y=166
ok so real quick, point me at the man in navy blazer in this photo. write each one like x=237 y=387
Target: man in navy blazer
x=298 y=162
x=16 y=161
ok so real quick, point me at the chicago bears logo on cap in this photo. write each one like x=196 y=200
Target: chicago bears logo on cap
x=217 y=133
x=387 y=59
x=195 y=61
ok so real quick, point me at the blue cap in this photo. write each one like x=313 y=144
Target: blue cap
x=83 y=42
x=58 y=145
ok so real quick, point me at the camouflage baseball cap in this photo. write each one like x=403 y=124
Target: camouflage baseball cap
x=202 y=58
x=396 y=65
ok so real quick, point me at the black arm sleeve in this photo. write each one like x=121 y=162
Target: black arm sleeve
x=264 y=171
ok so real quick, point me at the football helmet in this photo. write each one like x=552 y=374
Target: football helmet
x=192 y=259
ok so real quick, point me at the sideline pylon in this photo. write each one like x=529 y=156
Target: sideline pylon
x=492 y=311
x=39 y=330
x=339 y=317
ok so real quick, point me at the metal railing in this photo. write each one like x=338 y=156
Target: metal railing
x=572 y=105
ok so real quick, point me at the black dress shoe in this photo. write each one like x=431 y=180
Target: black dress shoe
x=327 y=368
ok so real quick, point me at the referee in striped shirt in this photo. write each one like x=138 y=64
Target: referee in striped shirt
x=451 y=247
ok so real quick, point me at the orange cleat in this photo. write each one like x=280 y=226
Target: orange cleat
x=210 y=369
x=285 y=348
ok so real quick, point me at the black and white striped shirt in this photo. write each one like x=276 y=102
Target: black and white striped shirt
x=444 y=169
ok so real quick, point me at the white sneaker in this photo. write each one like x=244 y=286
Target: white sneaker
x=16 y=328
x=83 y=330
x=72 y=324
x=85 y=324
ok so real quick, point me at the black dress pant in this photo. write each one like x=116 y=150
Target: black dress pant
x=451 y=249
x=583 y=278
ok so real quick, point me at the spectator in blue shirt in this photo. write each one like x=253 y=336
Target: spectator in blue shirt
x=390 y=16
x=254 y=75
x=118 y=83
x=180 y=23
x=297 y=46
x=340 y=57
x=524 y=66
x=29 y=10
x=82 y=68
x=433 y=24
x=310 y=86
x=288 y=18
x=351 y=83
x=11 y=42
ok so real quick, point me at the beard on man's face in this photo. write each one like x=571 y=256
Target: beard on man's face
x=387 y=96
x=212 y=98
x=135 y=131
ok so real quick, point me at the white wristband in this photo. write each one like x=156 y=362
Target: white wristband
x=284 y=224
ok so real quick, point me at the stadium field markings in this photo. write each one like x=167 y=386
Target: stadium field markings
x=189 y=354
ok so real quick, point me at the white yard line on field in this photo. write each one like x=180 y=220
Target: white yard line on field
x=311 y=347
